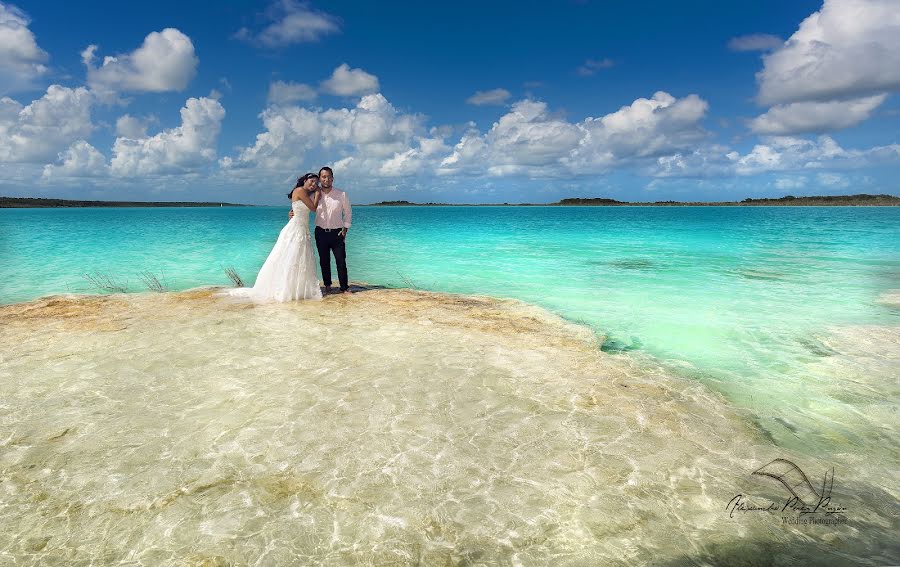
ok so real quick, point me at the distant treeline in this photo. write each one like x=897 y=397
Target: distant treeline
x=790 y=200
x=861 y=199
x=406 y=204
x=27 y=202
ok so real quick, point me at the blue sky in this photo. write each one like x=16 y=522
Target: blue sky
x=464 y=102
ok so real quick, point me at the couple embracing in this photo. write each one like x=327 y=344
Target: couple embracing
x=289 y=273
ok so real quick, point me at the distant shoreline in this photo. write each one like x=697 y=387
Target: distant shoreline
x=788 y=201
x=38 y=203
x=861 y=200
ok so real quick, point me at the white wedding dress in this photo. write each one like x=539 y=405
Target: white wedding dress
x=289 y=273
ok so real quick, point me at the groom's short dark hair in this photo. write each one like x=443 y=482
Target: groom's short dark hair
x=326 y=168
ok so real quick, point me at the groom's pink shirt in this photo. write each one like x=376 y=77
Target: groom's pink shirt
x=331 y=206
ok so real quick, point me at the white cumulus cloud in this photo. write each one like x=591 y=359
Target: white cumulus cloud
x=164 y=62
x=646 y=128
x=36 y=133
x=528 y=139
x=182 y=149
x=281 y=92
x=80 y=160
x=128 y=126
x=413 y=161
x=774 y=154
x=531 y=140
x=848 y=49
x=816 y=117
x=350 y=82
x=291 y=22
x=21 y=60
x=495 y=96
x=370 y=133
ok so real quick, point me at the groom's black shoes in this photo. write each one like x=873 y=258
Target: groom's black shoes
x=329 y=291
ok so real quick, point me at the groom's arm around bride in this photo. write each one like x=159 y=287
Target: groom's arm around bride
x=333 y=219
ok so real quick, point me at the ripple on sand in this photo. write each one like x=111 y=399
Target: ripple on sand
x=384 y=426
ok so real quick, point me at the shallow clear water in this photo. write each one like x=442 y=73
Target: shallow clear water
x=746 y=299
x=388 y=427
x=685 y=281
x=790 y=313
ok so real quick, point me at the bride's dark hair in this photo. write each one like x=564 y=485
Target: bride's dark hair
x=301 y=181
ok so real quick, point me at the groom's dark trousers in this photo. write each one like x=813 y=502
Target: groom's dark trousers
x=328 y=241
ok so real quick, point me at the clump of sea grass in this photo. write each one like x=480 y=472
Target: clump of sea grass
x=152 y=282
x=234 y=277
x=105 y=282
x=406 y=279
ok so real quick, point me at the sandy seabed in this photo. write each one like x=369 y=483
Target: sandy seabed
x=386 y=427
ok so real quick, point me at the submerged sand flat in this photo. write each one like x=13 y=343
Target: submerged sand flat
x=385 y=427
x=890 y=298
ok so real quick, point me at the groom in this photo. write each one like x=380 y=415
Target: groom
x=331 y=229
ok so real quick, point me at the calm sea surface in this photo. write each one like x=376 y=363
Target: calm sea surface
x=742 y=298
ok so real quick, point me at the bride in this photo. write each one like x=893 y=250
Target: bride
x=289 y=273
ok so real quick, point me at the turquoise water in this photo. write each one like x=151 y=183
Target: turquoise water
x=156 y=428
x=743 y=298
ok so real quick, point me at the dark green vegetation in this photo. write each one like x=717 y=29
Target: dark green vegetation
x=27 y=202
x=790 y=200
